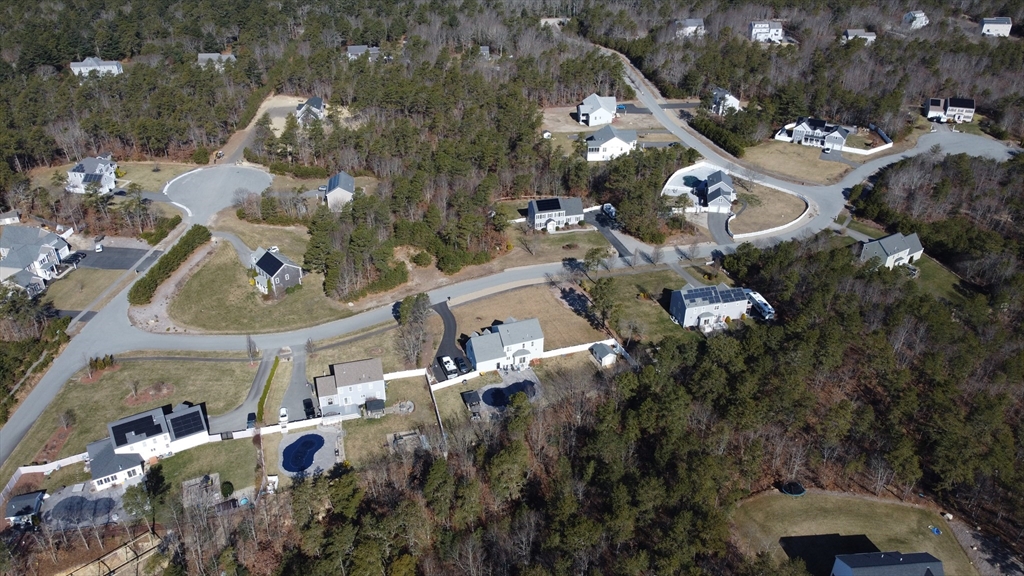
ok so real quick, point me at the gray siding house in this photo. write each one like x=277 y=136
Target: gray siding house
x=510 y=345
x=275 y=272
x=350 y=386
x=551 y=213
x=887 y=564
x=818 y=133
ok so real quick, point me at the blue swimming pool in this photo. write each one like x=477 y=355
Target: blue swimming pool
x=298 y=456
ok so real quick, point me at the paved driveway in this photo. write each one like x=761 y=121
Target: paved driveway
x=716 y=224
x=604 y=225
x=210 y=190
x=116 y=258
x=449 y=345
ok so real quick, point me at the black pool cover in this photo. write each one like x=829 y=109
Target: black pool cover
x=298 y=456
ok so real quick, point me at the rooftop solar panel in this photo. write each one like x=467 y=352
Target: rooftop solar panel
x=548 y=204
x=144 y=426
x=187 y=424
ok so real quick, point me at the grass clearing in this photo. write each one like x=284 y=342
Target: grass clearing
x=449 y=400
x=271 y=459
x=222 y=385
x=548 y=367
x=365 y=438
x=291 y=240
x=794 y=161
x=66 y=476
x=708 y=275
x=648 y=312
x=80 y=287
x=766 y=208
x=866 y=229
x=235 y=460
x=562 y=327
x=938 y=281
x=552 y=247
x=219 y=298
x=383 y=345
x=760 y=521
x=142 y=173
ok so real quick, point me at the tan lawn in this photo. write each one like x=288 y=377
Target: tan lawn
x=282 y=378
x=648 y=311
x=551 y=247
x=766 y=208
x=80 y=287
x=219 y=298
x=562 y=327
x=378 y=344
x=291 y=240
x=143 y=174
x=793 y=161
x=367 y=438
x=449 y=400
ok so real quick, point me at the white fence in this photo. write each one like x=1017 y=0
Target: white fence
x=807 y=209
x=867 y=152
x=39 y=469
x=406 y=374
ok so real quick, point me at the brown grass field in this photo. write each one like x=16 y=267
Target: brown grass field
x=291 y=240
x=800 y=163
x=80 y=287
x=766 y=208
x=365 y=439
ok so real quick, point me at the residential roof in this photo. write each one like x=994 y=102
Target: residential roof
x=374 y=405
x=270 y=263
x=349 y=374
x=719 y=177
x=103 y=461
x=889 y=245
x=719 y=93
x=571 y=206
x=25 y=279
x=342 y=180
x=24 y=244
x=485 y=51
x=892 y=564
x=997 y=20
x=25 y=504
x=609 y=133
x=205 y=57
x=602 y=350
x=471 y=398
x=691 y=22
x=15 y=214
x=180 y=421
x=707 y=295
x=93 y=165
x=487 y=346
x=515 y=333
x=314 y=102
x=360 y=49
x=93 y=62
x=772 y=24
x=594 y=102
x=960 y=103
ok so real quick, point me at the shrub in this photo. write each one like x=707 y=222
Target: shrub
x=421 y=259
x=227 y=488
x=293 y=289
x=144 y=288
x=570 y=246
x=161 y=230
x=201 y=155
x=266 y=391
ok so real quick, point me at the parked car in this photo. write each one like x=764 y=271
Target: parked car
x=99 y=247
x=250 y=421
x=462 y=364
x=448 y=366
x=307 y=406
x=284 y=417
x=322 y=189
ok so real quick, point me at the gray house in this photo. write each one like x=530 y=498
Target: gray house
x=893 y=250
x=355 y=52
x=887 y=564
x=29 y=256
x=351 y=385
x=275 y=271
x=218 y=59
x=312 y=109
x=22 y=509
x=820 y=134
x=551 y=213
x=340 y=189
x=717 y=193
x=506 y=346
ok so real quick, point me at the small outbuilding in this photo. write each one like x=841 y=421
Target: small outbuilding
x=22 y=509
x=604 y=355
x=375 y=408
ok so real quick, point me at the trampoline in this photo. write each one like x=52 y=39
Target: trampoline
x=298 y=456
x=794 y=489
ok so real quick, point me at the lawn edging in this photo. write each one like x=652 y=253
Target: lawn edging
x=266 y=390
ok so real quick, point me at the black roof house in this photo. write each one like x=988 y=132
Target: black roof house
x=888 y=564
x=275 y=270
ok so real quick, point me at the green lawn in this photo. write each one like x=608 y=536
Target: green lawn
x=219 y=298
x=222 y=385
x=365 y=438
x=652 y=312
x=866 y=229
x=235 y=460
x=80 y=287
x=761 y=521
x=937 y=281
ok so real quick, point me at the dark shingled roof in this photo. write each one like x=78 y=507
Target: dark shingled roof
x=269 y=263
x=374 y=405
x=893 y=564
x=471 y=398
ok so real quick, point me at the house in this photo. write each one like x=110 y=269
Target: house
x=818 y=133
x=604 y=355
x=485 y=52
x=108 y=468
x=998 y=26
x=471 y=398
x=850 y=34
x=350 y=385
x=10 y=217
x=708 y=308
x=311 y=109
x=218 y=60
x=915 y=19
x=374 y=408
x=552 y=213
x=274 y=271
x=99 y=173
x=94 y=64
x=722 y=102
x=893 y=250
x=950 y=109
x=716 y=194
x=936 y=109
x=30 y=256
x=356 y=52
x=506 y=346
x=340 y=189
x=887 y=564
x=24 y=508
x=596 y=110
x=689 y=27
x=766 y=31
x=608 y=143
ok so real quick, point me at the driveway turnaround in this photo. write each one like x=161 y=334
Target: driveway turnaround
x=449 y=345
x=115 y=258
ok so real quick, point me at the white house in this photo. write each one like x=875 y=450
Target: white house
x=915 y=19
x=552 y=213
x=101 y=171
x=596 y=110
x=766 y=31
x=604 y=355
x=108 y=468
x=814 y=132
x=887 y=563
x=998 y=26
x=689 y=27
x=851 y=33
x=274 y=271
x=218 y=59
x=10 y=217
x=608 y=143
x=349 y=386
x=94 y=64
x=506 y=346
x=708 y=307
x=314 y=108
x=893 y=250
x=716 y=194
x=29 y=256
x=23 y=508
x=355 y=52
x=950 y=109
x=340 y=189
x=722 y=102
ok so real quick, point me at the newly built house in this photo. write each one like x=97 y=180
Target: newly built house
x=766 y=31
x=893 y=250
x=999 y=26
x=312 y=109
x=852 y=33
x=708 y=308
x=596 y=110
x=815 y=132
x=506 y=346
x=915 y=19
x=350 y=386
x=24 y=508
x=30 y=256
x=553 y=213
x=95 y=173
x=94 y=64
x=609 y=142
x=723 y=102
x=340 y=189
x=356 y=52
x=217 y=58
x=689 y=27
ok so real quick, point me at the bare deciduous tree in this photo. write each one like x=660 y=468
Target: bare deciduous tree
x=251 y=349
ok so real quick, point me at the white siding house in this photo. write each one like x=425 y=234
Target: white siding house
x=312 y=109
x=94 y=64
x=218 y=59
x=766 y=31
x=29 y=256
x=722 y=102
x=506 y=346
x=915 y=19
x=707 y=307
x=999 y=26
x=340 y=189
x=551 y=213
x=814 y=132
x=596 y=110
x=608 y=143
x=349 y=386
x=893 y=250
x=689 y=27
x=100 y=171
x=850 y=34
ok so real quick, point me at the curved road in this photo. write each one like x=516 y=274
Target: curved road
x=207 y=191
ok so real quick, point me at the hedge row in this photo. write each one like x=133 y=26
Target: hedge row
x=266 y=390
x=725 y=140
x=144 y=288
x=161 y=230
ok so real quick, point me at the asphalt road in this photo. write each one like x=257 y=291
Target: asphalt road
x=236 y=419
x=717 y=227
x=114 y=258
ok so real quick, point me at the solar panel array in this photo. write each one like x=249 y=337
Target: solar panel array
x=145 y=426
x=187 y=424
x=712 y=295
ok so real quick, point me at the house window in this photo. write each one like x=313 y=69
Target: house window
x=277 y=280
x=132 y=473
x=346 y=400
x=330 y=401
x=287 y=277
